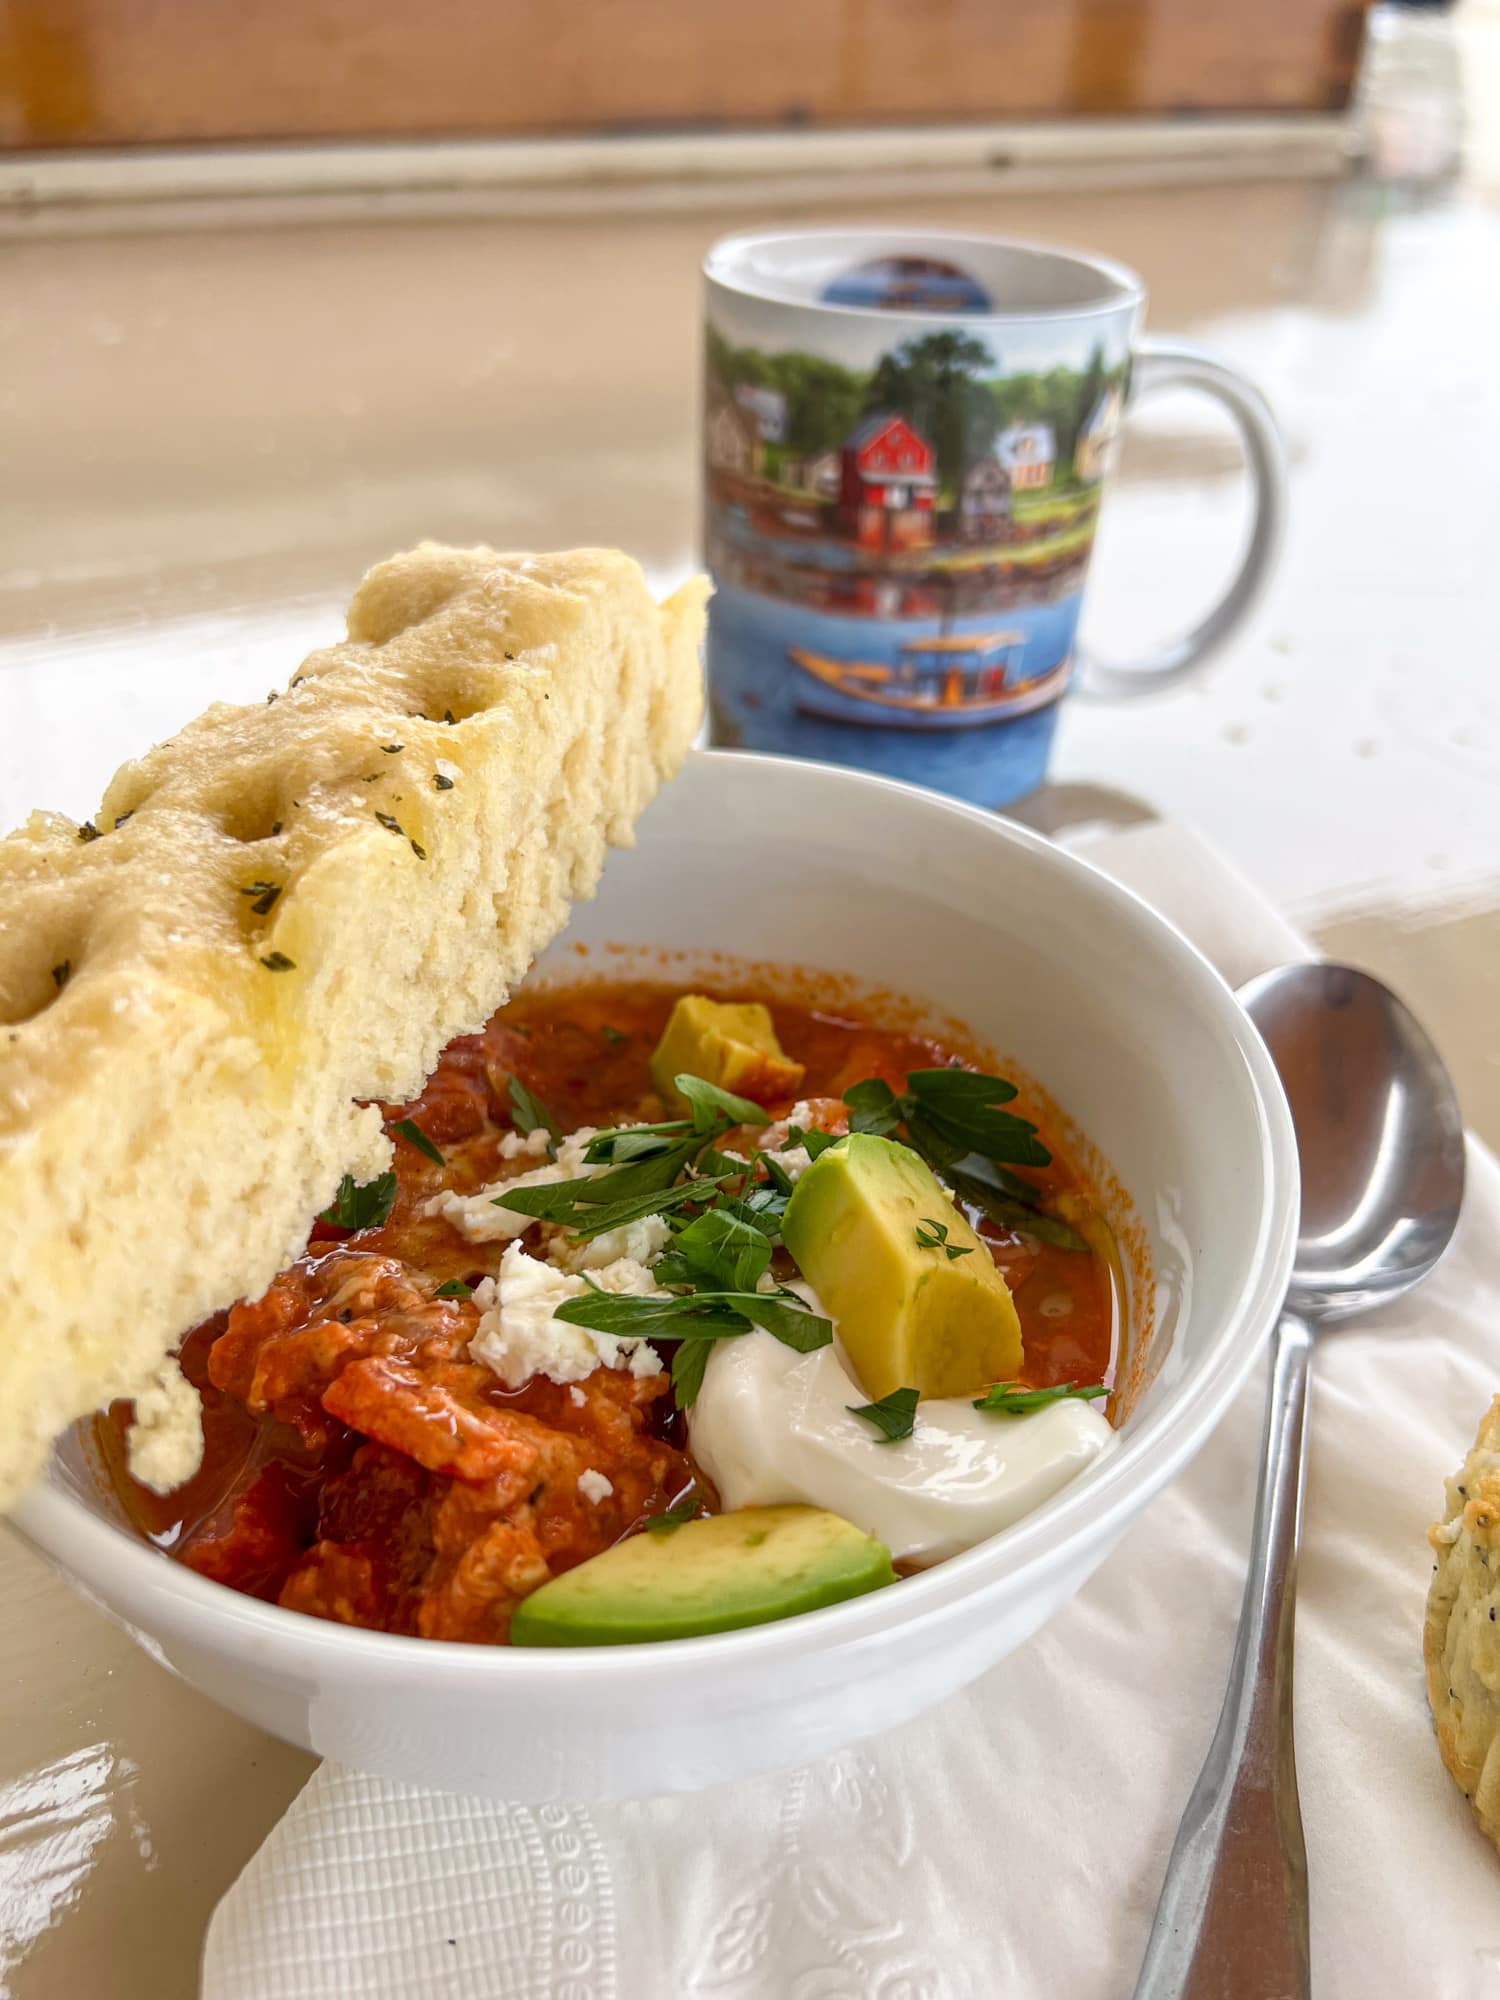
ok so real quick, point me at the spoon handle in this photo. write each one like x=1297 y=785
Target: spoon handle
x=1232 y=1920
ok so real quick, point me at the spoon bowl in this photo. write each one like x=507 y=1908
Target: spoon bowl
x=1379 y=1135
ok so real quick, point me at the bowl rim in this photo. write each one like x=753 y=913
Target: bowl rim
x=106 y=1557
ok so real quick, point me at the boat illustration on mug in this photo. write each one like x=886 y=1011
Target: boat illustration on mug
x=949 y=681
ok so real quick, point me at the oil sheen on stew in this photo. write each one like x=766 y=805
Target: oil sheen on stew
x=360 y=1466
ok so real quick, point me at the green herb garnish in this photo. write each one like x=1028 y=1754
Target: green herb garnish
x=362 y=1204
x=676 y=1516
x=627 y=1316
x=277 y=961
x=391 y=824
x=412 y=1133
x=88 y=831
x=814 y=1141
x=696 y=1319
x=946 y=1114
x=894 y=1416
x=613 y=1036
x=455 y=1288
x=62 y=973
x=531 y=1115
x=441 y=782
x=710 y=1104
x=575 y=1204
x=393 y=749
x=934 y=1236
x=1010 y=1399
x=1011 y=1212
x=725 y=1250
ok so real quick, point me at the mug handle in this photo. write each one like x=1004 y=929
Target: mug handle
x=1161 y=364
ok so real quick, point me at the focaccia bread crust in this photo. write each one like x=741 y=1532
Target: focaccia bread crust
x=1461 y=1638
x=287 y=909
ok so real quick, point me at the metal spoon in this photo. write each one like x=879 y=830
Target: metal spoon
x=1382 y=1152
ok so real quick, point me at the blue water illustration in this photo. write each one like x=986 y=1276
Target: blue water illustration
x=757 y=695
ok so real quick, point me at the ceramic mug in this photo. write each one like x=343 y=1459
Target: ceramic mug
x=906 y=439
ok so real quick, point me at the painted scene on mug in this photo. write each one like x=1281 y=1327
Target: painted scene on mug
x=899 y=530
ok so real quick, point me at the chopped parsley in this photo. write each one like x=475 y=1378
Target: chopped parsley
x=454 y=1288
x=393 y=749
x=725 y=1250
x=812 y=1140
x=88 y=831
x=894 y=1416
x=710 y=1105
x=1012 y=1399
x=696 y=1319
x=391 y=824
x=1010 y=1211
x=441 y=782
x=362 y=1204
x=613 y=1035
x=120 y=818
x=689 y=1365
x=945 y=1114
x=277 y=961
x=412 y=1133
x=531 y=1115
x=676 y=1516
x=934 y=1236
x=776 y=1174
x=578 y=1207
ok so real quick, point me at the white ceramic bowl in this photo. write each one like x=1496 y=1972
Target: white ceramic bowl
x=1134 y=1035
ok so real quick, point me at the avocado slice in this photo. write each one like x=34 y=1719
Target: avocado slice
x=714 y=1575
x=871 y=1230
x=728 y=1042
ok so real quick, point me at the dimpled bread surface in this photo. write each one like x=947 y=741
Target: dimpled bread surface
x=290 y=908
x=1461 y=1639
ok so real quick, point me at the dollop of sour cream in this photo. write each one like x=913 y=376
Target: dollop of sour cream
x=771 y=1426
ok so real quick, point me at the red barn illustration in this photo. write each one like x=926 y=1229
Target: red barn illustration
x=887 y=485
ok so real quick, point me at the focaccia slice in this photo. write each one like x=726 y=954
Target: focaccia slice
x=285 y=910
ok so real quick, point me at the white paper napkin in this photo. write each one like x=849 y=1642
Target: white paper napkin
x=1009 y=1845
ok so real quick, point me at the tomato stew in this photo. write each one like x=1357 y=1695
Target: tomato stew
x=360 y=1466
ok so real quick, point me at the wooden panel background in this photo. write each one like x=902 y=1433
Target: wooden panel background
x=121 y=72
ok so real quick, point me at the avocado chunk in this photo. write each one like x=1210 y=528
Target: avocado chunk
x=871 y=1230
x=728 y=1042
x=714 y=1575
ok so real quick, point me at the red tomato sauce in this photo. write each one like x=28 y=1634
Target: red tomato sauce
x=359 y=1466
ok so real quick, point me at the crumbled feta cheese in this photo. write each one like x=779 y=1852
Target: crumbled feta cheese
x=164 y=1447
x=519 y=1335
x=639 y=1241
x=576 y=1395
x=594 y=1486
x=516 y=1145
x=476 y=1216
x=793 y=1160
